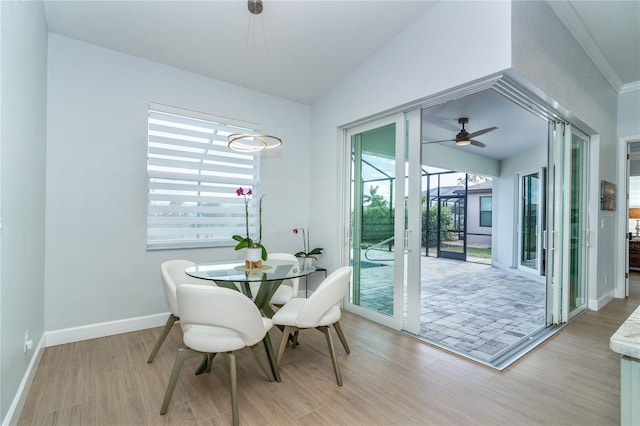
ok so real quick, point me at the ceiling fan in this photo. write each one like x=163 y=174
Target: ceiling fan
x=465 y=138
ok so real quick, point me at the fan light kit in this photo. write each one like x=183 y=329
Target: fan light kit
x=465 y=138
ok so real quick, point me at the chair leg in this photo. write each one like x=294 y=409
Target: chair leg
x=234 y=387
x=205 y=364
x=165 y=331
x=283 y=342
x=334 y=359
x=182 y=355
x=267 y=370
x=271 y=356
x=336 y=325
x=294 y=340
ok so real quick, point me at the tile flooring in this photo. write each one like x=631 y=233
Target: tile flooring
x=471 y=308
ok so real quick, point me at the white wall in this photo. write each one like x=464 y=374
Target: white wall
x=97 y=268
x=419 y=62
x=546 y=54
x=505 y=192
x=629 y=113
x=22 y=167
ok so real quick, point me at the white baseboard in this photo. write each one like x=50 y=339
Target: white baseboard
x=70 y=335
x=103 y=329
x=597 y=304
x=15 y=410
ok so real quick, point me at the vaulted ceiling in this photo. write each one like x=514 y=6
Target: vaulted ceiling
x=305 y=47
x=310 y=44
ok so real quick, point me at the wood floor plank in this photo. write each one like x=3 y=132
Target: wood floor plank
x=389 y=378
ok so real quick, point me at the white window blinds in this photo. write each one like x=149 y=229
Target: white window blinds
x=193 y=178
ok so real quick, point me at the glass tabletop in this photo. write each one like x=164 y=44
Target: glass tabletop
x=235 y=271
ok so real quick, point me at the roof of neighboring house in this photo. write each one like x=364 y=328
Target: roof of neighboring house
x=445 y=191
x=481 y=187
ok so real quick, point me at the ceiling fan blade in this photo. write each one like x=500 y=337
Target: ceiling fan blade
x=446 y=140
x=477 y=143
x=482 y=132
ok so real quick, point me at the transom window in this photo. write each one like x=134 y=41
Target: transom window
x=193 y=178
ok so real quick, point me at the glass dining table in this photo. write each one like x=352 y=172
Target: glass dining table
x=236 y=276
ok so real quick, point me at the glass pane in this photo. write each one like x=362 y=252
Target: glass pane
x=578 y=222
x=529 y=243
x=373 y=243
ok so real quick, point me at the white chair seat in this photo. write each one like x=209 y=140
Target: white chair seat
x=320 y=311
x=287 y=290
x=173 y=275
x=289 y=315
x=219 y=320
x=283 y=294
x=216 y=339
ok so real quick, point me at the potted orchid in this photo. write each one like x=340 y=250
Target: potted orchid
x=247 y=242
x=309 y=255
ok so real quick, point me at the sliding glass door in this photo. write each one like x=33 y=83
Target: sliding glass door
x=569 y=236
x=376 y=208
x=383 y=251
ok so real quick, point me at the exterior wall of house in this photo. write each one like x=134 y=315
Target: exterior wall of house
x=23 y=78
x=505 y=209
x=473 y=222
x=97 y=267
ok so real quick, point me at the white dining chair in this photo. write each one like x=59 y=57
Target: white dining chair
x=215 y=320
x=288 y=289
x=319 y=311
x=173 y=274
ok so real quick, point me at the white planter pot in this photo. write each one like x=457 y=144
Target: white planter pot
x=254 y=254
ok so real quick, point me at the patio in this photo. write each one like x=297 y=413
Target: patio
x=469 y=308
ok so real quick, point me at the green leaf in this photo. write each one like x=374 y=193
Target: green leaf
x=242 y=244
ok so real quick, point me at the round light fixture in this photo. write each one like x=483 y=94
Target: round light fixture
x=245 y=143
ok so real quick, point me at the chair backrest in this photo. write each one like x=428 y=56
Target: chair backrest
x=295 y=282
x=330 y=292
x=173 y=275
x=220 y=307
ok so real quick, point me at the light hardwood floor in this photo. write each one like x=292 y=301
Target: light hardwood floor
x=389 y=378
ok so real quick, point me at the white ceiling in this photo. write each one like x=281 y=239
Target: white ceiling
x=517 y=130
x=313 y=44
x=310 y=45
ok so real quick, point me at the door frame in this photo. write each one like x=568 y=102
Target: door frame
x=621 y=289
x=531 y=99
x=396 y=320
x=537 y=271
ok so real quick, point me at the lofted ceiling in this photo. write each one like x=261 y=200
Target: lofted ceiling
x=311 y=45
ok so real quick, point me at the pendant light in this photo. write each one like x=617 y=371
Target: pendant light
x=244 y=142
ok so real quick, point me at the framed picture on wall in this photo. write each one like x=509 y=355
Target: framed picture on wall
x=607 y=195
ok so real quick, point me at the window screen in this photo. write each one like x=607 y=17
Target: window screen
x=193 y=178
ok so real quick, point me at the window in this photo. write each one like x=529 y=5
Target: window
x=193 y=178
x=485 y=211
